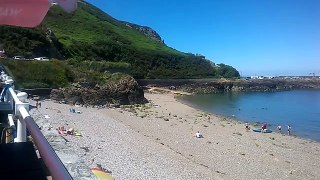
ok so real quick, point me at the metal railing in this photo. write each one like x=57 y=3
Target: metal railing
x=21 y=108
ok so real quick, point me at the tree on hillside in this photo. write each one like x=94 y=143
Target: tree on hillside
x=227 y=71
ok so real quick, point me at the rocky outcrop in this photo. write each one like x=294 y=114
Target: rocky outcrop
x=125 y=91
x=147 y=31
x=205 y=86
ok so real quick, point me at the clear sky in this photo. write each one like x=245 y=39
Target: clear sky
x=257 y=37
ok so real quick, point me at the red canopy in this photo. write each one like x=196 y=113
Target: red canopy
x=30 y=13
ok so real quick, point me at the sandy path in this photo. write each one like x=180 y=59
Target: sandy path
x=156 y=142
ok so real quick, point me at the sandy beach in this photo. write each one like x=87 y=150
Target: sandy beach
x=156 y=141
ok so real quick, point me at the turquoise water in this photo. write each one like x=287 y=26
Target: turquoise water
x=298 y=108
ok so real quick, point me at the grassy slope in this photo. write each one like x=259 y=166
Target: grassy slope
x=89 y=24
x=33 y=74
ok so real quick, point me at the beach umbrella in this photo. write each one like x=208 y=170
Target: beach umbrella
x=30 y=13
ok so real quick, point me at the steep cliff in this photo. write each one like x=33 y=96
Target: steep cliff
x=147 y=31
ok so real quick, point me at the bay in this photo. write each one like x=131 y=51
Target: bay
x=298 y=108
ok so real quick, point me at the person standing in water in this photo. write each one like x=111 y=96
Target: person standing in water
x=289 y=130
x=279 y=128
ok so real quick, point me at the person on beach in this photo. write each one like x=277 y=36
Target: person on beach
x=264 y=127
x=247 y=126
x=289 y=130
x=279 y=128
x=198 y=135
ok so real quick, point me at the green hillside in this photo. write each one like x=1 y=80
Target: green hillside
x=91 y=26
x=89 y=34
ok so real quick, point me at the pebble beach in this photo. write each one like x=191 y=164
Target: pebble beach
x=156 y=141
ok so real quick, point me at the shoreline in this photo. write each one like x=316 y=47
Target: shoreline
x=231 y=118
x=156 y=141
x=272 y=126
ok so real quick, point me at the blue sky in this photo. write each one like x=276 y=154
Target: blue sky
x=257 y=37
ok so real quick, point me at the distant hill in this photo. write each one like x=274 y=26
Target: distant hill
x=90 y=34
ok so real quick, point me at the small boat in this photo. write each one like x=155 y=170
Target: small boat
x=264 y=131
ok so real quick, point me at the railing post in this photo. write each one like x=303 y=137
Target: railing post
x=21 y=125
x=12 y=129
x=8 y=83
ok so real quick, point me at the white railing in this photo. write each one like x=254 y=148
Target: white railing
x=20 y=108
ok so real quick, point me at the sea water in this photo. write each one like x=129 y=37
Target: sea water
x=298 y=108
